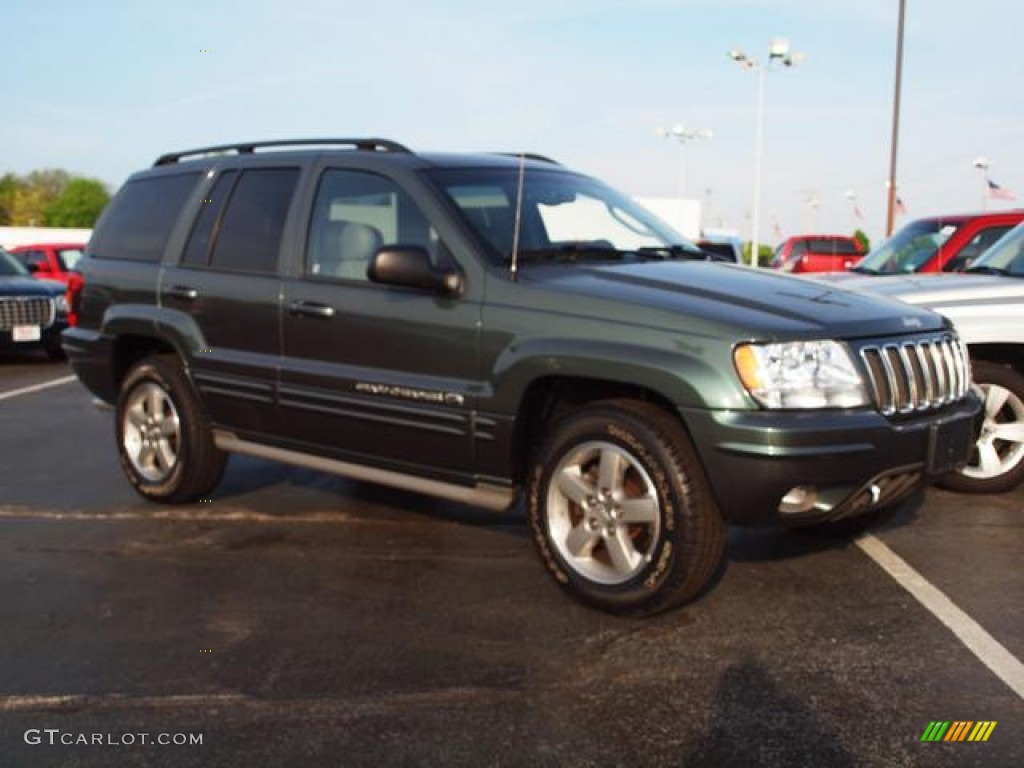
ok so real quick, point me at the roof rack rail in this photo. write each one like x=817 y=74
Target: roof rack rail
x=246 y=148
x=530 y=156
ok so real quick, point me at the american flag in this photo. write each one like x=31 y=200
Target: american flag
x=998 y=193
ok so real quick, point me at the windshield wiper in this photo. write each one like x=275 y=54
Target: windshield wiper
x=571 y=252
x=985 y=270
x=674 y=251
x=865 y=271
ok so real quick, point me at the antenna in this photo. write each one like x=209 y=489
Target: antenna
x=514 y=266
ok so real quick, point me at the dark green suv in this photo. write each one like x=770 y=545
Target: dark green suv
x=480 y=327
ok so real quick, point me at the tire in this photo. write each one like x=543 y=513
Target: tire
x=996 y=464
x=669 y=549
x=164 y=441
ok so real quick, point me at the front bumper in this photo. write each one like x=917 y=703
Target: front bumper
x=851 y=462
x=49 y=337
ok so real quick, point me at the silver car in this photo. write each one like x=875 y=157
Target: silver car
x=987 y=305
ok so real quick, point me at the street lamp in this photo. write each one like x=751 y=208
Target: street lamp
x=982 y=164
x=779 y=55
x=682 y=134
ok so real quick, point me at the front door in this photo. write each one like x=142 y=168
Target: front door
x=370 y=373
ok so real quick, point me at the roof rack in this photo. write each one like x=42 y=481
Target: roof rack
x=529 y=156
x=246 y=148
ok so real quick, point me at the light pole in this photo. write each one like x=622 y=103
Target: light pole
x=778 y=55
x=682 y=134
x=891 y=196
x=982 y=164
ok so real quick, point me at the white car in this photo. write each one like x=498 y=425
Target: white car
x=987 y=305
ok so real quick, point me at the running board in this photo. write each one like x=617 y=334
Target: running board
x=492 y=497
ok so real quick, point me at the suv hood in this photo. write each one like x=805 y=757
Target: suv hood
x=985 y=308
x=29 y=286
x=938 y=291
x=742 y=301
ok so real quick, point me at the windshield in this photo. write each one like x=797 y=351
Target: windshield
x=9 y=266
x=562 y=212
x=909 y=249
x=1005 y=256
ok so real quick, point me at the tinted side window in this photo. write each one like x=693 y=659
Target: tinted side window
x=32 y=258
x=197 y=251
x=141 y=218
x=977 y=246
x=249 y=236
x=355 y=213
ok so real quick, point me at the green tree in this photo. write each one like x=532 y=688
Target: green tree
x=29 y=206
x=8 y=187
x=861 y=237
x=79 y=205
x=764 y=254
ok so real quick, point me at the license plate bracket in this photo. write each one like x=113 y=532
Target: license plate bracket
x=949 y=445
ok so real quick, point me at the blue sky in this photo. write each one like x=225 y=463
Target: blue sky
x=103 y=88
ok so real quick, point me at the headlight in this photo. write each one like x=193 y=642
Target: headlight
x=61 y=301
x=800 y=374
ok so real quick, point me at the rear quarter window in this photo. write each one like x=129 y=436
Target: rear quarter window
x=142 y=217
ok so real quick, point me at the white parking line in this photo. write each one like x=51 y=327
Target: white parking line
x=37 y=387
x=989 y=651
x=181 y=514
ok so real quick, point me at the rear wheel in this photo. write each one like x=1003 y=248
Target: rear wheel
x=997 y=460
x=621 y=512
x=164 y=440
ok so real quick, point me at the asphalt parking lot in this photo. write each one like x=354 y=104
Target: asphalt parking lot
x=300 y=619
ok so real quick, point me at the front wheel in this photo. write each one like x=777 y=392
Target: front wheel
x=164 y=441
x=997 y=460
x=621 y=512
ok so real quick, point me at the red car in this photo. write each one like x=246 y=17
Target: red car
x=939 y=243
x=817 y=253
x=52 y=261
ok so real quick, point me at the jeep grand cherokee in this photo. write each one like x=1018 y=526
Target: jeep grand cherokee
x=480 y=327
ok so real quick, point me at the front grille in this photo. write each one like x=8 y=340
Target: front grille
x=916 y=375
x=17 y=310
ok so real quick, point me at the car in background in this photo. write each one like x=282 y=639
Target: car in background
x=939 y=243
x=987 y=305
x=817 y=253
x=33 y=313
x=53 y=261
x=722 y=248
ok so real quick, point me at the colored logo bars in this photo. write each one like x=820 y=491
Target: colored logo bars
x=958 y=730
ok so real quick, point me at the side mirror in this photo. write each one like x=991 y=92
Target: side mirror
x=34 y=267
x=409 y=266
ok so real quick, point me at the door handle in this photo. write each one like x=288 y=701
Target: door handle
x=183 y=292
x=311 y=309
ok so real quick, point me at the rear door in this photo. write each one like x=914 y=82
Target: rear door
x=227 y=283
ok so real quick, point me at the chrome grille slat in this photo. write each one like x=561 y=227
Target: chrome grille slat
x=20 y=310
x=916 y=375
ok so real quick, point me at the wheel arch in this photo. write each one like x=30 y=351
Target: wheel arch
x=548 y=399
x=1011 y=355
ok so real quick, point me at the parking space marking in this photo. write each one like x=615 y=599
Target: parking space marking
x=989 y=651
x=182 y=514
x=37 y=387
